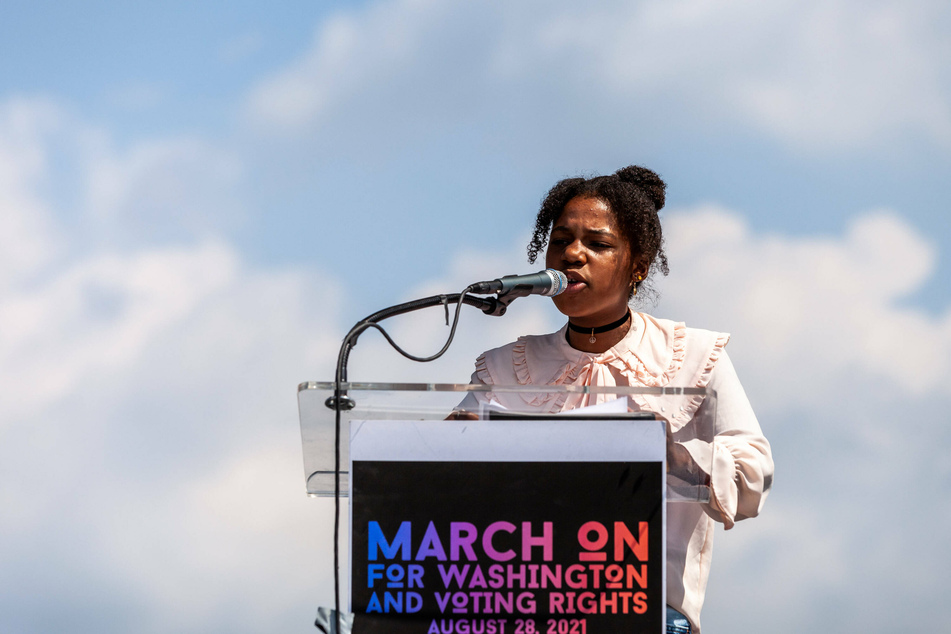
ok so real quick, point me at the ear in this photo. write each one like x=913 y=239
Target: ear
x=639 y=270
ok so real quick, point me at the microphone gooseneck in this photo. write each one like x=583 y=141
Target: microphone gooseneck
x=510 y=287
x=548 y=283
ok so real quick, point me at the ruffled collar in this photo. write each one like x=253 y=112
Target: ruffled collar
x=650 y=355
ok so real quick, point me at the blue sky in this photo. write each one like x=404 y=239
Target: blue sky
x=196 y=201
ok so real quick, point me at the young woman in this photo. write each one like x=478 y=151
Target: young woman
x=605 y=235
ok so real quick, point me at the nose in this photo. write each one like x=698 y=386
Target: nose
x=574 y=252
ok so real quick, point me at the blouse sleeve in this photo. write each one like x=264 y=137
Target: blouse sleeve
x=473 y=400
x=742 y=463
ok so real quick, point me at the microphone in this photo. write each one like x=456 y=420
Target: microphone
x=548 y=283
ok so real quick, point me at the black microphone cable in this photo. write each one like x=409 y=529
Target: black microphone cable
x=508 y=288
x=341 y=401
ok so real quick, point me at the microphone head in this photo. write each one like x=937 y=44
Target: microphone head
x=559 y=282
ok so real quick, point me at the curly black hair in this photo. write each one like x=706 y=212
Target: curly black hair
x=634 y=194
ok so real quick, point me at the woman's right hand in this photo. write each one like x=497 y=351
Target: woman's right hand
x=461 y=414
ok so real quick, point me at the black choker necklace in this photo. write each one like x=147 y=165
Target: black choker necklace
x=597 y=331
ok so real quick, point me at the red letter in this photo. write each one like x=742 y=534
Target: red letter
x=623 y=536
x=587 y=544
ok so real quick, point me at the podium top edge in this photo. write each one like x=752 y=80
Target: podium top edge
x=478 y=387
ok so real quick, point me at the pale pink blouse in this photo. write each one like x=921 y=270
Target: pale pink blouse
x=656 y=353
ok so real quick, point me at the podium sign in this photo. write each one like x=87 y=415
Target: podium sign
x=520 y=527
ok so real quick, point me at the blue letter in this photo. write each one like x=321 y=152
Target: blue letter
x=400 y=542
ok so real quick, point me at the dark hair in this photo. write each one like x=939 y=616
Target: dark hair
x=634 y=194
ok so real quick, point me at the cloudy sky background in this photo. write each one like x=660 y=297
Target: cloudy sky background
x=197 y=201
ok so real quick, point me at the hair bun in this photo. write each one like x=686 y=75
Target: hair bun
x=647 y=181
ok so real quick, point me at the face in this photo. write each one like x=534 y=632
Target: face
x=588 y=246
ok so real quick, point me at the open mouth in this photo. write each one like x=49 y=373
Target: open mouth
x=575 y=283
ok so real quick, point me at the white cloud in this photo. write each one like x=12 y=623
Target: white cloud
x=238 y=546
x=149 y=414
x=815 y=75
x=850 y=71
x=796 y=546
x=160 y=189
x=848 y=383
x=813 y=310
x=97 y=316
x=150 y=450
x=351 y=53
x=28 y=238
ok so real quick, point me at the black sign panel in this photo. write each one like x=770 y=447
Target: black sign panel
x=507 y=547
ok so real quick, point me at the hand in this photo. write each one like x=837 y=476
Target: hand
x=679 y=460
x=461 y=414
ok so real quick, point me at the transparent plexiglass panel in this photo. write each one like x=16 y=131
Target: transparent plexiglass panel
x=690 y=414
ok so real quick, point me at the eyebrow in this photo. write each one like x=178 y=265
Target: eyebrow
x=600 y=232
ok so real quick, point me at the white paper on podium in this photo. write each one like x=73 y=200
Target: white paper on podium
x=617 y=406
x=553 y=439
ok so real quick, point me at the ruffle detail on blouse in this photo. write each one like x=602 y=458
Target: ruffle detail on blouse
x=482 y=371
x=695 y=401
x=524 y=377
x=680 y=351
x=655 y=354
x=650 y=356
x=638 y=371
x=522 y=374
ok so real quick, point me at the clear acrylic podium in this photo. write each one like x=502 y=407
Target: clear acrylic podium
x=437 y=401
x=679 y=422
